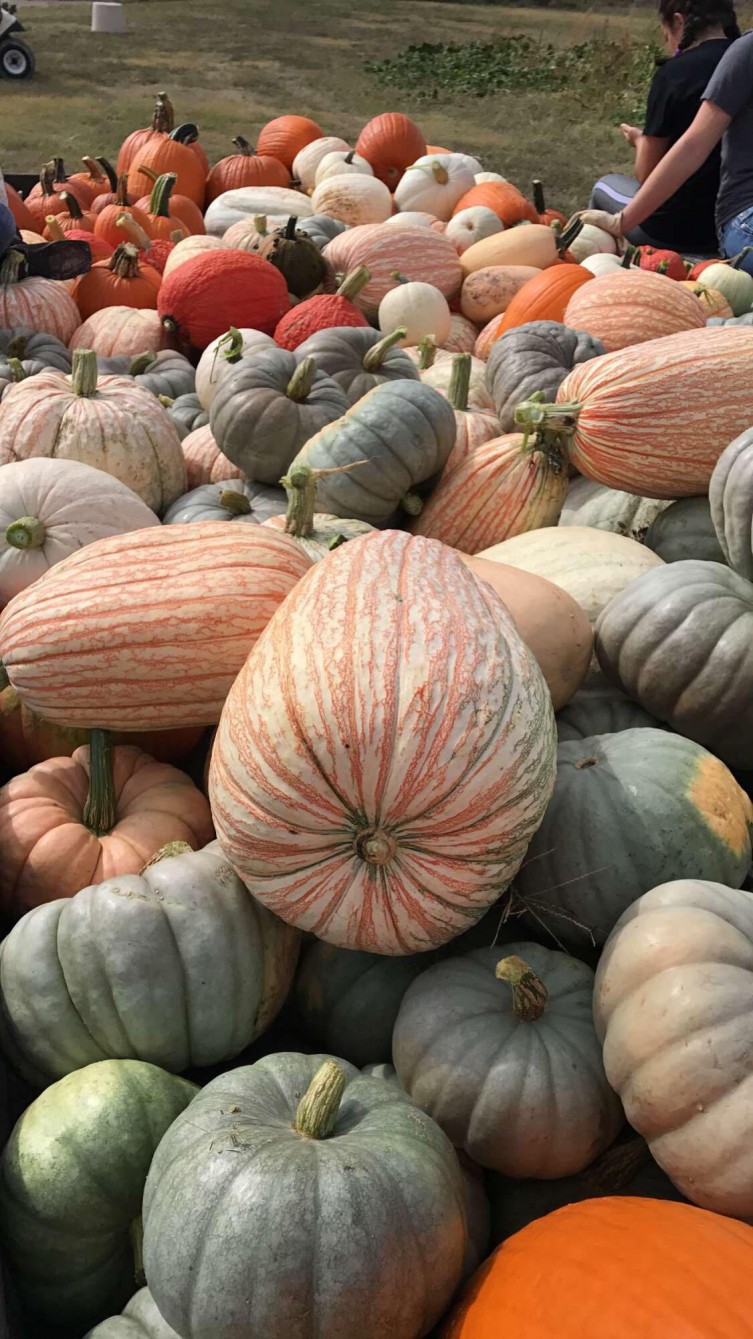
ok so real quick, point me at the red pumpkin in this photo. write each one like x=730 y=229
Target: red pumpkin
x=702 y=265
x=203 y=298
x=391 y=143
x=284 y=138
x=504 y=200
x=543 y=298
x=661 y=261
x=245 y=168
x=323 y=312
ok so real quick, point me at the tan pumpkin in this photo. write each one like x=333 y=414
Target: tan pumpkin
x=353 y=198
x=713 y=302
x=35 y=304
x=205 y=463
x=488 y=292
x=626 y=309
x=121 y=330
x=309 y=158
x=534 y=245
x=189 y=247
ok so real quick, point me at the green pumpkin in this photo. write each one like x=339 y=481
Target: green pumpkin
x=685 y=530
x=71 y=1181
x=140 y=1319
x=602 y=508
x=601 y=708
x=731 y=502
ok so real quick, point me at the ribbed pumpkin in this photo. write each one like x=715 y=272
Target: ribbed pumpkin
x=626 y=309
x=168 y=155
x=71 y=218
x=326 y=311
x=106 y=219
x=163 y=211
x=353 y=199
x=402 y=854
x=163 y=124
x=209 y=294
x=308 y=159
x=474 y=426
x=187 y=249
x=616 y=1267
x=390 y=143
x=285 y=136
x=205 y=463
x=120 y=661
x=545 y=297
x=418 y=254
x=121 y=330
x=45 y=197
x=245 y=167
x=36 y=304
x=100 y=249
x=121 y=281
x=504 y=200
x=99 y=177
x=23 y=216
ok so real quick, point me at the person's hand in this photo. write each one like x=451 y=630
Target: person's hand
x=599 y=218
x=632 y=134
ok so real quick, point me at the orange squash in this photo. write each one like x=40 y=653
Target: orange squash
x=168 y=212
x=504 y=200
x=107 y=218
x=613 y=1269
x=121 y=281
x=390 y=143
x=285 y=136
x=545 y=297
x=71 y=218
x=626 y=309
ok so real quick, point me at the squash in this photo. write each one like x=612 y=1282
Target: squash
x=245 y=167
x=268 y=407
x=734 y=284
x=213 y=969
x=390 y=143
x=342 y=163
x=593 y=241
x=285 y=137
x=121 y=330
x=545 y=297
x=353 y=199
x=677 y=640
x=628 y=811
x=50 y=509
x=370 y=870
x=35 y=304
x=591 y=565
x=321 y=228
x=421 y=311
x=225 y=583
x=499 y=1046
x=309 y=158
x=298 y=259
x=347 y=1002
x=472 y=225
x=612 y=1259
x=222 y=355
x=506 y=201
x=249 y=233
x=316 y=532
x=163 y=124
x=111 y=215
x=603 y=262
x=375 y=472
x=358 y=359
x=627 y=309
x=685 y=530
x=324 y=311
x=474 y=427
x=186 y=412
x=531 y=359
x=186 y=249
x=591 y=504
x=236 y=500
x=72 y=218
x=166 y=374
x=221 y=289
x=250 y=201
x=35 y=350
x=534 y=245
x=434 y=183
x=168 y=157
x=601 y=708
x=169 y=213
x=71 y=1180
x=103 y=812
x=488 y=292
x=420 y=255
x=731 y=502
x=205 y=463
x=107 y=422
x=139 y=1319
x=121 y=281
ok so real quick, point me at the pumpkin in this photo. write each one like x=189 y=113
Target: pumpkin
x=298 y=259
x=535 y=245
x=434 y=183
x=734 y=284
x=167 y=211
x=100 y=249
x=472 y=225
x=121 y=281
x=33 y=303
x=164 y=374
x=139 y=1319
x=24 y=219
x=45 y=197
x=353 y=199
x=232 y=500
x=462 y=336
x=342 y=163
x=612 y=1259
x=615 y=409
x=358 y=359
x=591 y=565
x=120 y=330
x=398 y=847
x=325 y=311
x=420 y=309
x=502 y=488
x=474 y=427
x=285 y=137
x=168 y=155
x=544 y=214
x=499 y=1046
x=250 y=202
x=483 y=343
x=348 y=1001
x=268 y=407
x=51 y=508
x=186 y=249
x=214 y=968
x=591 y=504
x=713 y=302
x=321 y=229
x=601 y=708
x=71 y=1180
x=552 y=625
x=629 y=810
x=163 y=124
x=504 y=200
x=390 y=143
x=488 y=292
x=222 y=355
x=205 y=463
x=249 y=233
x=685 y=529
x=186 y=412
x=99 y=178
x=677 y=640
x=536 y=357
x=217 y=577
x=308 y=159
x=375 y=473
x=627 y=309
x=731 y=502
x=603 y=262
x=70 y=219
x=414 y=218
x=107 y=219
x=203 y=298
x=35 y=351
x=592 y=241
x=316 y=532
x=545 y=297
x=107 y=422
x=245 y=168
x=420 y=255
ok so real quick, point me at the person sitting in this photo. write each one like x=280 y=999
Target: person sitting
x=698 y=33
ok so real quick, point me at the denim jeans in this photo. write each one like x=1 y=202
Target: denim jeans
x=736 y=235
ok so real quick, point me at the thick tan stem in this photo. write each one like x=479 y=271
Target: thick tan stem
x=319 y=1107
x=529 y=994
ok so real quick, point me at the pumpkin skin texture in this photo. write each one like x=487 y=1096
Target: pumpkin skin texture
x=343 y=353
x=121 y=330
x=164 y=373
x=394 y=466
x=731 y=501
x=205 y=463
x=516 y=1083
x=685 y=530
x=42 y=305
x=535 y=357
x=626 y=1267
x=678 y=641
x=140 y=1319
x=601 y=708
x=628 y=810
x=673 y=988
x=230 y=501
x=49 y=851
x=177 y=966
x=591 y=504
x=627 y=309
x=385 y=1174
x=424 y=838
x=71 y=1179
x=217 y=577
x=207 y=295
x=188 y=414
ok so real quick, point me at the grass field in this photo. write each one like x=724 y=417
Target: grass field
x=230 y=68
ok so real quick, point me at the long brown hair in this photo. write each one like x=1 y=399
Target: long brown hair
x=700 y=16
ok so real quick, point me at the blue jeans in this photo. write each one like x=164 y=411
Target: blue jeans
x=736 y=235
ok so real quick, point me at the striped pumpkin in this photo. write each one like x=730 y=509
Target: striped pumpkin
x=147 y=630
x=126 y=330
x=205 y=463
x=626 y=309
x=489 y=335
x=377 y=781
x=503 y=488
x=655 y=419
x=385 y=250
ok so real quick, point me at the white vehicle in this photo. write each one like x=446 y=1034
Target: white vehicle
x=16 y=59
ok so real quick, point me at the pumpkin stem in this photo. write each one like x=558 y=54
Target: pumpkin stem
x=353 y=283
x=140 y=363
x=319 y=1107
x=243 y=147
x=234 y=350
x=134 y=230
x=235 y=502
x=557 y=419
x=300 y=486
x=4 y=680
x=121 y=195
x=137 y=1245
x=187 y=133
x=614 y=1171
x=260 y=224
x=569 y=234
x=84 y=373
x=93 y=168
x=349 y=157
x=740 y=257
x=109 y=172
x=529 y=994
x=72 y=205
x=460 y=381
x=372 y=360
x=18 y=346
x=159 y=200
x=412 y=504
x=166 y=853
x=164 y=116
x=100 y=810
x=290 y=229
x=54 y=229
x=427 y=353
x=539 y=200
x=47 y=179
x=60 y=174
x=17 y=369
x=167 y=401
x=11 y=267
x=302 y=380
x=124 y=261
x=28 y=532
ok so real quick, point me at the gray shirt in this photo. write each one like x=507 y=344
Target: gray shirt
x=731 y=88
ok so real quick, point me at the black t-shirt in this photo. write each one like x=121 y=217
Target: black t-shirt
x=686 y=221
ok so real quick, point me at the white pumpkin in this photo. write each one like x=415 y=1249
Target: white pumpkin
x=353 y=199
x=189 y=248
x=472 y=225
x=602 y=262
x=50 y=508
x=484 y=178
x=247 y=201
x=306 y=162
x=343 y=164
x=222 y=355
x=591 y=241
x=421 y=308
x=247 y=233
x=734 y=285
x=412 y=219
x=434 y=184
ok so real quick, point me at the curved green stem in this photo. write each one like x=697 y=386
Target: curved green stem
x=26 y=533
x=373 y=359
x=100 y=810
x=233 y=501
x=302 y=381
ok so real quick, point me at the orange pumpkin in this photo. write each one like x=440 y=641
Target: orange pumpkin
x=613 y=1268
x=44 y=198
x=285 y=136
x=626 y=309
x=245 y=168
x=390 y=143
x=121 y=281
x=106 y=219
x=545 y=297
x=71 y=218
x=100 y=249
x=490 y=332
x=205 y=463
x=504 y=199
x=99 y=177
x=23 y=216
x=164 y=204
x=54 y=179
x=163 y=123
x=169 y=155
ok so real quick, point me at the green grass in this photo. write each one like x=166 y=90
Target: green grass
x=231 y=68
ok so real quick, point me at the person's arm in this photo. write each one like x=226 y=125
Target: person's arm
x=683 y=159
x=649 y=151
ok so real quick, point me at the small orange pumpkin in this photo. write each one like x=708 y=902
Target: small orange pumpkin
x=99 y=177
x=504 y=199
x=548 y=216
x=72 y=217
x=245 y=168
x=285 y=136
x=107 y=218
x=390 y=143
x=162 y=211
x=545 y=297
x=121 y=281
x=24 y=218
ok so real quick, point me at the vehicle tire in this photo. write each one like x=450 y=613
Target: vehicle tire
x=16 y=60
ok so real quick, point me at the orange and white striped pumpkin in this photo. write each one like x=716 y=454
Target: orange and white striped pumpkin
x=654 y=419
x=147 y=630
x=500 y=489
x=39 y=304
x=418 y=254
x=626 y=309
x=378 y=781
x=474 y=426
x=463 y=335
x=205 y=463
x=126 y=330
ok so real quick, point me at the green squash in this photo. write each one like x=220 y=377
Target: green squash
x=630 y=811
x=731 y=501
x=600 y=708
x=71 y=1181
x=231 y=500
x=140 y=1319
x=685 y=530
x=532 y=359
x=589 y=503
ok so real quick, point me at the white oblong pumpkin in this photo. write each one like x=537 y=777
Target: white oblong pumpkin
x=309 y=158
x=631 y=308
x=222 y=355
x=341 y=163
x=359 y=789
x=205 y=463
x=51 y=508
x=488 y=292
x=248 y=201
x=353 y=199
x=190 y=247
x=420 y=308
x=418 y=254
x=532 y=244
x=434 y=183
x=126 y=330
x=473 y=225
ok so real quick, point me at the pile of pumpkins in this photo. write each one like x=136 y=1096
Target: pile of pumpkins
x=376 y=729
